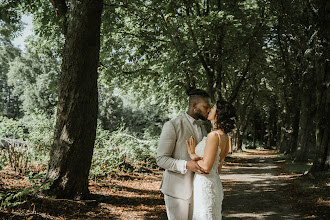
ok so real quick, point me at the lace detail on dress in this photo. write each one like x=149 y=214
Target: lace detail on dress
x=208 y=192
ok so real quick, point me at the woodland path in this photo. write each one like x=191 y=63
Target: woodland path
x=254 y=188
x=254 y=181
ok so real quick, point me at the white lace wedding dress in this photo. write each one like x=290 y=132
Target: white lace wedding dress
x=208 y=192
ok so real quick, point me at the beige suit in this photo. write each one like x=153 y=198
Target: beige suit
x=171 y=155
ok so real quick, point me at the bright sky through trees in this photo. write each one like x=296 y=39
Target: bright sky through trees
x=20 y=40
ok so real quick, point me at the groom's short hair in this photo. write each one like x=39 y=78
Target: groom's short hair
x=196 y=94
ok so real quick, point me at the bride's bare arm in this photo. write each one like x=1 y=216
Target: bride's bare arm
x=192 y=165
x=211 y=148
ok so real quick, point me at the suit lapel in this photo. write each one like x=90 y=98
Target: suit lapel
x=188 y=125
x=204 y=132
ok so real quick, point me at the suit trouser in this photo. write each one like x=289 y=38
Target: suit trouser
x=178 y=209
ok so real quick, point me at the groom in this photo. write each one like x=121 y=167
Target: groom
x=172 y=155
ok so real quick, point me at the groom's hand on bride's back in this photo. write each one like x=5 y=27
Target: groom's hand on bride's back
x=193 y=166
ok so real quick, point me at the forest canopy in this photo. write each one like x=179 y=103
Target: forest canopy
x=269 y=58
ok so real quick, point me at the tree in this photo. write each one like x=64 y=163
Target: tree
x=318 y=12
x=34 y=77
x=10 y=25
x=76 y=120
x=9 y=102
x=174 y=45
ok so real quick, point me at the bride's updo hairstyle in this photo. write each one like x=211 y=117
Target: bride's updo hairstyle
x=225 y=116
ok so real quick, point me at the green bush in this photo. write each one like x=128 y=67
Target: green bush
x=40 y=135
x=113 y=151
x=12 y=128
x=16 y=155
x=121 y=150
x=36 y=130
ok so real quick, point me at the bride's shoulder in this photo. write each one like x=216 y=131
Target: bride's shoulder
x=215 y=134
x=212 y=135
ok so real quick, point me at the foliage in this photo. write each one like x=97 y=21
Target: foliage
x=265 y=56
x=111 y=110
x=40 y=135
x=17 y=156
x=12 y=128
x=164 y=47
x=9 y=103
x=120 y=150
x=35 y=131
x=12 y=199
x=35 y=79
x=119 y=109
x=10 y=20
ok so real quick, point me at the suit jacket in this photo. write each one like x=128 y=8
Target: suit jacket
x=172 y=153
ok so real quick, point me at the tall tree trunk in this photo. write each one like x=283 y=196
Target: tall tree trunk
x=285 y=135
x=254 y=134
x=322 y=156
x=269 y=132
x=306 y=134
x=319 y=15
x=240 y=140
x=75 y=131
x=274 y=131
x=295 y=129
x=278 y=133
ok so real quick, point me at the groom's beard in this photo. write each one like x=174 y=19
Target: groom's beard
x=199 y=115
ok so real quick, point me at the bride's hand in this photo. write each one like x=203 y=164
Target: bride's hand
x=191 y=146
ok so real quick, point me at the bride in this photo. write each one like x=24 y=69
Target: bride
x=210 y=154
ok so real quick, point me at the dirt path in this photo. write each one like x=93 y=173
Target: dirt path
x=254 y=188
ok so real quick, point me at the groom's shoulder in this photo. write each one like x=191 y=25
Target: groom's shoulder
x=177 y=121
x=178 y=118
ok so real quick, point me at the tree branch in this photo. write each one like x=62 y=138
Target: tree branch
x=61 y=9
x=116 y=5
x=140 y=36
x=145 y=70
x=241 y=80
x=203 y=61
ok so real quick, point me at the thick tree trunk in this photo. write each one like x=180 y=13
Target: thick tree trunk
x=322 y=156
x=306 y=134
x=322 y=70
x=72 y=149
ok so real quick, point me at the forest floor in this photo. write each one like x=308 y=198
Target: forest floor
x=258 y=184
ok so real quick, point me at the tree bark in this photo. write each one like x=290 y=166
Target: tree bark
x=306 y=134
x=75 y=131
x=322 y=156
x=319 y=15
x=295 y=128
x=285 y=135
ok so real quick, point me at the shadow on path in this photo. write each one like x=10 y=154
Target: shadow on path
x=253 y=189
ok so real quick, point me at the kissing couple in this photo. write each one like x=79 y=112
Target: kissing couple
x=191 y=184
